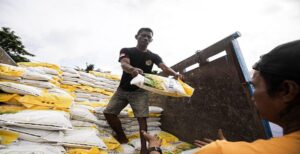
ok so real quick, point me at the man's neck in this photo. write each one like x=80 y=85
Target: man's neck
x=142 y=48
x=290 y=122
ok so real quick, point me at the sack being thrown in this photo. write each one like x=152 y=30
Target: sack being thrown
x=163 y=85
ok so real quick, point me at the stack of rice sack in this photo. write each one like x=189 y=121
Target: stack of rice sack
x=86 y=86
x=38 y=116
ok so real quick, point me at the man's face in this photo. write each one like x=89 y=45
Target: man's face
x=144 y=38
x=265 y=104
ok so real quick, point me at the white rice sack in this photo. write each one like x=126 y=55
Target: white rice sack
x=99 y=109
x=36 y=83
x=43 y=70
x=102 y=123
x=59 y=92
x=38 y=119
x=82 y=95
x=70 y=75
x=70 y=83
x=86 y=83
x=155 y=109
x=87 y=79
x=31 y=75
x=77 y=123
x=94 y=99
x=35 y=135
x=83 y=138
x=65 y=78
x=162 y=85
x=69 y=70
x=25 y=147
x=87 y=75
x=82 y=114
x=136 y=143
x=81 y=99
x=21 y=89
x=191 y=151
x=123 y=149
x=13 y=78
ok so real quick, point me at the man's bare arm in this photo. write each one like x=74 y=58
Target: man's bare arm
x=125 y=64
x=169 y=71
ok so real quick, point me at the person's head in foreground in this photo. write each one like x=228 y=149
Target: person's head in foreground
x=276 y=80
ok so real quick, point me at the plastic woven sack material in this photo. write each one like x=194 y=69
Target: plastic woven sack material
x=77 y=123
x=109 y=140
x=65 y=78
x=24 y=147
x=87 y=75
x=70 y=75
x=35 y=135
x=162 y=85
x=69 y=70
x=7 y=137
x=4 y=109
x=40 y=64
x=39 y=84
x=13 y=78
x=82 y=114
x=31 y=75
x=93 y=150
x=48 y=99
x=82 y=138
x=155 y=109
x=16 y=88
x=45 y=70
x=72 y=83
x=38 y=119
x=9 y=70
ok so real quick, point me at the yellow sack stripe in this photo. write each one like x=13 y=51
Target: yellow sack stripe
x=48 y=99
x=10 y=98
x=37 y=64
x=8 y=70
x=188 y=89
x=45 y=101
x=7 y=137
x=106 y=75
x=4 y=109
x=93 y=150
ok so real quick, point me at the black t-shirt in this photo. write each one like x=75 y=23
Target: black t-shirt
x=139 y=59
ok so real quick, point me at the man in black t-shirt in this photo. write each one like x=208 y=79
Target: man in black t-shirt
x=134 y=61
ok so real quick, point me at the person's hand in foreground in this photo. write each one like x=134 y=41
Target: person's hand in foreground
x=153 y=141
x=205 y=141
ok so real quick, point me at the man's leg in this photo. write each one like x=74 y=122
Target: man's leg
x=143 y=126
x=115 y=123
x=114 y=107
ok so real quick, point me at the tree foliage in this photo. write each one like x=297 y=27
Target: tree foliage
x=89 y=67
x=13 y=46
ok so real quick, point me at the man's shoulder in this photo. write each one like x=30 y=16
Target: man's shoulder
x=129 y=49
x=152 y=53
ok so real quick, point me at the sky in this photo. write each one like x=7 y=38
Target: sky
x=75 y=32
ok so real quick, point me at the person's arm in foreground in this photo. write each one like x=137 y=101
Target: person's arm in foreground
x=125 y=64
x=153 y=141
x=205 y=141
x=169 y=71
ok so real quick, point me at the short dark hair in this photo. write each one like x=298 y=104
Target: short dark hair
x=145 y=29
x=281 y=63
